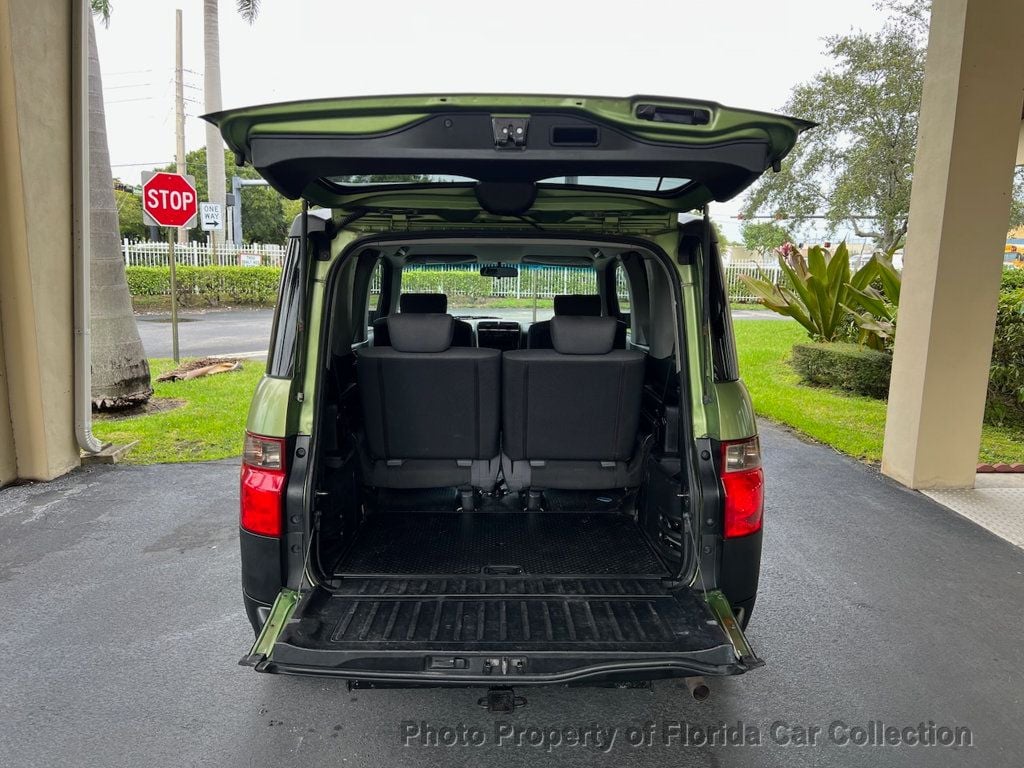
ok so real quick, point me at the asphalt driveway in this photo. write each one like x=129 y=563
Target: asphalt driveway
x=247 y=331
x=123 y=624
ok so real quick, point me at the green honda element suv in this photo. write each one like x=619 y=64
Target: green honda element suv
x=433 y=500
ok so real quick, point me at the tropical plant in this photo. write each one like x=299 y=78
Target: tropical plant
x=120 y=371
x=874 y=308
x=815 y=290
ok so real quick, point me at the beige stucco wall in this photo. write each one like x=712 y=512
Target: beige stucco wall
x=35 y=239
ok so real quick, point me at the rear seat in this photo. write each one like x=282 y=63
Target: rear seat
x=571 y=305
x=420 y=304
x=570 y=414
x=431 y=410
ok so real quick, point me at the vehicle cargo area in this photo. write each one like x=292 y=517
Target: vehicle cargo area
x=586 y=586
x=503 y=503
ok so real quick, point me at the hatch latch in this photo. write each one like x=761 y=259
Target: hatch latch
x=510 y=132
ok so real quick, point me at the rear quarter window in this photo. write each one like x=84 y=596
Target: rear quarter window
x=281 y=355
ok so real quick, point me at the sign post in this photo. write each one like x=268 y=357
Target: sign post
x=170 y=200
x=174 y=295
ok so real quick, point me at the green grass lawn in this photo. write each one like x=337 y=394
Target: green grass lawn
x=209 y=425
x=211 y=422
x=852 y=424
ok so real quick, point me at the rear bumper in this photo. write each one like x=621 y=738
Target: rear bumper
x=546 y=671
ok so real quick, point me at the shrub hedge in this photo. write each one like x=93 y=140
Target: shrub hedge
x=208 y=285
x=1006 y=378
x=844 y=366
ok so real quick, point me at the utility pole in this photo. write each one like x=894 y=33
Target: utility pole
x=179 y=110
x=179 y=156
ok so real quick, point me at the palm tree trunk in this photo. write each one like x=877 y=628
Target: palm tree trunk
x=215 y=177
x=120 y=371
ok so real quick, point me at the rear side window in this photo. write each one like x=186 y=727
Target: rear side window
x=723 y=341
x=373 y=293
x=281 y=355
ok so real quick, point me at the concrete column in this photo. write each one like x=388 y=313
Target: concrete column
x=37 y=414
x=959 y=208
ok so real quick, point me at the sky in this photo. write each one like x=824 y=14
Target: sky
x=741 y=53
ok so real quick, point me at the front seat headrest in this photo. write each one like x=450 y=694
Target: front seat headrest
x=420 y=333
x=583 y=335
x=578 y=305
x=423 y=303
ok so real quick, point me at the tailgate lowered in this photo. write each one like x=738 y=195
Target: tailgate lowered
x=473 y=630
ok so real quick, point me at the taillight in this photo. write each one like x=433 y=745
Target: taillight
x=743 y=484
x=262 y=492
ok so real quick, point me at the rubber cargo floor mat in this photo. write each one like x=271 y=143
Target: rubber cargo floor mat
x=639 y=620
x=543 y=543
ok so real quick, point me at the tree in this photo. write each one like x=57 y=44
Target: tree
x=761 y=237
x=215 y=168
x=263 y=215
x=1017 y=201
x=120 y=371
x=129 y=215
x=856 y=166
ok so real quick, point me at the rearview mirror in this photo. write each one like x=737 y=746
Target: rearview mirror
x=499 y=271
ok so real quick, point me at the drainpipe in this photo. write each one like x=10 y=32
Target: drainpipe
x=80 y=194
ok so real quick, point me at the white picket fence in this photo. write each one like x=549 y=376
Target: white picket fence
x=737 y=290
x=194 y=254
x=545 y=281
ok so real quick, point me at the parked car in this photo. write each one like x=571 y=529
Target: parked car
x=428 y=500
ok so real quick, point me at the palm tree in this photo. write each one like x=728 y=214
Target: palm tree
x=120 y=371
x=215 y=172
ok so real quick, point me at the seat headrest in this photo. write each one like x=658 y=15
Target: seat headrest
x=423 y=303
x=583 y=335
x=420 y=332
x=578 y=305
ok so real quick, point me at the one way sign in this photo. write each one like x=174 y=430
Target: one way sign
x=210 y=218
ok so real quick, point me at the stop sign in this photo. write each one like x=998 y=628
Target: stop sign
x=169 y=200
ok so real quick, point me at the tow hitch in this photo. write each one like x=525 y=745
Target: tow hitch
x=501 y=700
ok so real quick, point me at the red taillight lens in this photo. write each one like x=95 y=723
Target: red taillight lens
x=743 y=484
x=262 y=491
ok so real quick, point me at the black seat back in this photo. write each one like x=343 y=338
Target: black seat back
x=571 y=305
x=423 y=304
x=571 y=414
x=430 y=410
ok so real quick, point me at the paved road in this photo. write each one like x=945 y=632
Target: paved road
x=123 y=624
x=221 y=332
x=247 y=331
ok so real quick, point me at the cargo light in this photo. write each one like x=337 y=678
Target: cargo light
x=262 y=492
x=743 y=485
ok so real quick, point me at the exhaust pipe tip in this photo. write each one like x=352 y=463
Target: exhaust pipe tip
x=698 y=689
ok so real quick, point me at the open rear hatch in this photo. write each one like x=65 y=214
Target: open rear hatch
x=482 y=629
x=508 y=154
